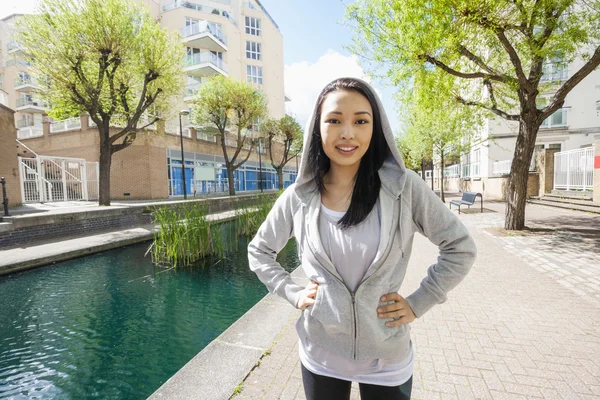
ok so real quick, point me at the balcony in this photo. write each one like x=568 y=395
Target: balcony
x=65 y=125
x=25 y=84
x=30 y=132
x=31 y=105
x=204 y=63
x=556 y=120
x=204 y=35
x=14 y=47
x=191 y=91
x=171 y=5
x=554 y=72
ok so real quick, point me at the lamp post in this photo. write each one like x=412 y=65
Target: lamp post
x=182 y=112
x=260 y=165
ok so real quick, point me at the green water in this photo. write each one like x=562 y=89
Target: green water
x=112 y=325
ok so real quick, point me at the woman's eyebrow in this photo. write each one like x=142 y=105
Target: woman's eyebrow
x=356 y=113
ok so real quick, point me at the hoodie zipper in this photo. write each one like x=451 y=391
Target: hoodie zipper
x=353 y=294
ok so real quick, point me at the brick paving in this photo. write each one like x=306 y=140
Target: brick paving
x=514 y=329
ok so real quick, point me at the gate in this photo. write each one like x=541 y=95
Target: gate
x=574 y=169
x=47 y=179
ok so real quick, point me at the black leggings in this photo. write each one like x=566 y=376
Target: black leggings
x=319 y=387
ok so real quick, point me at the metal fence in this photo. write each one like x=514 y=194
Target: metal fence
x=574 y=169
x=47 y=179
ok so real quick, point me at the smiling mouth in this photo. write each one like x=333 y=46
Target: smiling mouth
x=346 y=149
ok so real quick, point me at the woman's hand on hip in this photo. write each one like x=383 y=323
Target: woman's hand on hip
x=399 y=311
x=308 y=295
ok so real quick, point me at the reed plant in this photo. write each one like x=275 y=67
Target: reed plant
x=185 y=235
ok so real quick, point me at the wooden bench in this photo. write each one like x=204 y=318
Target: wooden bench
x=468 y=198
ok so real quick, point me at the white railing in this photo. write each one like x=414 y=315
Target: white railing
x=574 y=169
x=503 y=167
x=47 y=178
x=558 y=119
x=205 y=57
x=205 y=136
x=171 y=5
x=452 y=171
x=65 y=125
x=28 y=101
x=25 y=80
x=554 y=72
x=192 y=89
x=30 y=132
x=203 y=27
x=25 y=122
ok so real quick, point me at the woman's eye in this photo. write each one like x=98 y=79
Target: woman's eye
x=362 y=121
x=332 y=121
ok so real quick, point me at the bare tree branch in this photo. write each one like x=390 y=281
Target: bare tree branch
x=245 y=159
x=474 y=75
x=559 y=97
x=514 y=58
x=495 y=110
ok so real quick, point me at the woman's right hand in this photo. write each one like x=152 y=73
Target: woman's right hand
x=308 y=295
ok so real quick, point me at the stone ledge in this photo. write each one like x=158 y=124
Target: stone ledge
x=215 y=372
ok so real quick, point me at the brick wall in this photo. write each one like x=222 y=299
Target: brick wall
x=65 y=226
x=140 y=169
x=8 y=156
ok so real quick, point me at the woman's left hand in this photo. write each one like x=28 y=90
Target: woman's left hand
x=399 y=311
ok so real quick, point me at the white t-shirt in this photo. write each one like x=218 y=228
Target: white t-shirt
x=346 y=249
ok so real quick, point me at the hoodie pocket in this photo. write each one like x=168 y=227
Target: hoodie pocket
x=332 y=309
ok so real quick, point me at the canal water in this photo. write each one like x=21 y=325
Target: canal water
x=114 y=326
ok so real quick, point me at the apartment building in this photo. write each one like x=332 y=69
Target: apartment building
x=233 y=38
x=571 y=131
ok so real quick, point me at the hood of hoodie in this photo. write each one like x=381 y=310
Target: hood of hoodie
x=392 y=173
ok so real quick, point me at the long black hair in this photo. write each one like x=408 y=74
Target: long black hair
x=366 y=182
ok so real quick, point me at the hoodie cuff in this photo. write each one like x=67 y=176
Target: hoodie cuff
x=420 y=302
x=290 y=291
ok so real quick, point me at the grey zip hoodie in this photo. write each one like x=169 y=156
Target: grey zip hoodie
x=343 y=322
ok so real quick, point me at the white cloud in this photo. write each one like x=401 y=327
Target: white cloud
x=304 y=81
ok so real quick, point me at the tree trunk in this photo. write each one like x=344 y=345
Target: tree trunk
x=104 y=183
x=280 y=176
x=432 y=167
x=516 y=194
x=423 y=168
x=230 y=179
x=442 y=179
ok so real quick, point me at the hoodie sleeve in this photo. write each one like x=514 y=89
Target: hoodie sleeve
x=443 y=228
x=272 y=236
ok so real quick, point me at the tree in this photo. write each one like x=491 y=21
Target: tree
x=285 y=130
x=229 y=104
x=108 y=58
x=437 y=122
x=503 y=46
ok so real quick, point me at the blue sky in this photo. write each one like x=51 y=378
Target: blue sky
x=314 y=54
x=314 y=37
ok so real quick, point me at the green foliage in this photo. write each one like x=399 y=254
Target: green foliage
x=185 y=234
x=437 y=125
x=250 y=217
x=228 y=104
x=284 y=130
x=109 y=58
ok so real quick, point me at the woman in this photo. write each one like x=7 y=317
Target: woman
x=353 y=210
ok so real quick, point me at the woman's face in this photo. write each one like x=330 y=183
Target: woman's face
x=346 y=127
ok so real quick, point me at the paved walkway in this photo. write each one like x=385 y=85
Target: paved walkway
x=525 y=323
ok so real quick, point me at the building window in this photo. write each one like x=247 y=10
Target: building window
x=254 y=74
x=253 y=50
x=253 y=26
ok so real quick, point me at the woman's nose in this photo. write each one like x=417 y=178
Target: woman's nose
x=347 y=132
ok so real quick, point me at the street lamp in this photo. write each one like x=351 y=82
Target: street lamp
x=184 y=113
x=260 y=165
